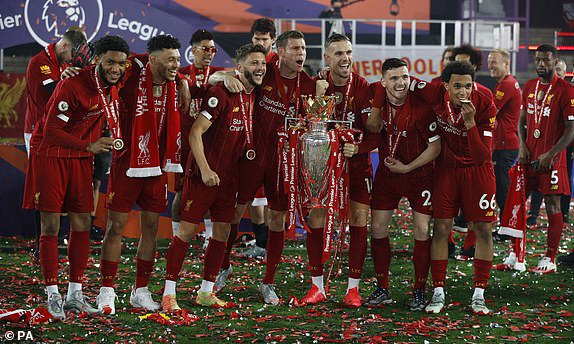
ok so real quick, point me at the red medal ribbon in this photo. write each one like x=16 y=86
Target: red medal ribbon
x=111 y=108
x=283 y=92
x=451 y=114
x=345 y=100
x=247 y=119
x=396 y=125
x=538 y=111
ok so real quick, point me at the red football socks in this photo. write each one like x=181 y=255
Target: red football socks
x=555 y=224
x=451 y=238
x=143 y=272
x=78 y=251
x=175 y=256
x=469 y=240
x=481 y=272
x=381 y=253
x=213 y=258
x=275 y=245
x=438 y=270
x=314 y=243
x=230 y=240
x=49 y=258
x=108 y=270
x=421 y=262
x=357 y=250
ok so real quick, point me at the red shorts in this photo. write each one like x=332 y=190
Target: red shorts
x=388 y=190
x=360 y=186
x=471 y=188
x=198 y=198
x=252 y=175
x=64 y=185
x=552 y=182
x=149 y=193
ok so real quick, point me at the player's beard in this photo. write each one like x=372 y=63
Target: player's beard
x=548 y=74
x=249 y=76
x=103 y=76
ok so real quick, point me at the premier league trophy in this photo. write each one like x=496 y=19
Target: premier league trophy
x=315 y=172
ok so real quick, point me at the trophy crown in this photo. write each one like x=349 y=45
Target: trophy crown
x=318 y=108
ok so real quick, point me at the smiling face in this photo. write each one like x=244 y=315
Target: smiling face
x=164 y=64
x=339 y=58
x=203 y=53
x=497 y=65
x=459 y=88
x=112 y=66
x=293 y=55
x=396 y=83
x=252 y=69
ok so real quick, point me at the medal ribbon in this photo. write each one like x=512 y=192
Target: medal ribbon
x=395 y=126
x=247 y=119
x=111 y=109
x=451 y=114
x=283 y=93
x=538 y=112
x=345 y=101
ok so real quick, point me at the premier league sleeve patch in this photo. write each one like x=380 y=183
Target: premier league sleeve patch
x=212 y=102
x=63 y=106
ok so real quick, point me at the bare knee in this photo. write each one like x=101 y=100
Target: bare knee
x=277 y=221
x=421 y=231
x=483 y=231
x=441 y=229
x=50 y=223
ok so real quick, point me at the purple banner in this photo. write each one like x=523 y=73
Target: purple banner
x=44 y=21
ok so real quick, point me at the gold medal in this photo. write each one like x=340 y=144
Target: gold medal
x=250 y=154
x=118 y=144
x=536 y=133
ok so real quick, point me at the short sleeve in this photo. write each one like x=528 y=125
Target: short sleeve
x=567 y=103
x=63 y=103
x=214 y=103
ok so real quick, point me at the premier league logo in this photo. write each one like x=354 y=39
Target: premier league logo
x=47 y=20
x=188 y=55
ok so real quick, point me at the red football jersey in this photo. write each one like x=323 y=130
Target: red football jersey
x=354 y=104
x=270 y=111
x=272 y=58
x=558 y=107
x=198 y=79
x=224 y=142
x=456 y=145
x=75 y=117
x=407 y=133
x=42 y=70
x=507 y=99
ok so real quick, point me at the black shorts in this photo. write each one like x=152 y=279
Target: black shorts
x=102 y=163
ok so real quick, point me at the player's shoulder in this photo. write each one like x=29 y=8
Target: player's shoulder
x=137 y=61
x=185 y=69
x=563 y=84
x=78 y=83
x=214 y=69
x=217 y=94
x=41 y=64
x=306 y=78
x=530 y=83
x=509 y=83
x=359 y=81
